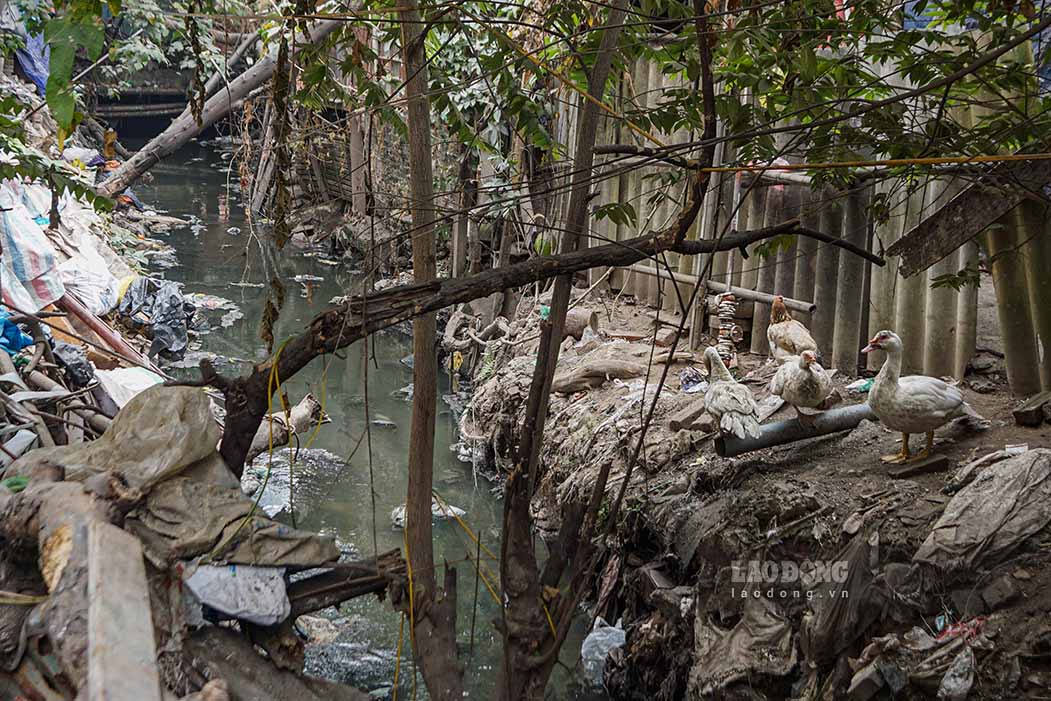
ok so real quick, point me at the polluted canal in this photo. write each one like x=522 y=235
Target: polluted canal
x=339 y=487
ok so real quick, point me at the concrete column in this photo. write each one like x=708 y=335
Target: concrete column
x=884 y=280
x=1037 y=253
x=940 y=313
x=966 y=312
x=850 y=282
x=911 y=300
x=775 y=201
x=826 y=270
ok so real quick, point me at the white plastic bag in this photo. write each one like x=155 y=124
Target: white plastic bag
x=602 y=640
x=254 y=594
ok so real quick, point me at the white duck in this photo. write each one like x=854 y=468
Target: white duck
x=786 y=336
x=728 y=401
x=913 y=404
x=803 y=383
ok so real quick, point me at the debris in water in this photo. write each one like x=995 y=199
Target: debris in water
x=440 y=511
x=405 y=392
x=234 y=230
x=308 y=278
x=382 y=421
x=408 y=361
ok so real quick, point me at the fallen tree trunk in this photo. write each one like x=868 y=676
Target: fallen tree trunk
x=247 y=397
x=184 y=127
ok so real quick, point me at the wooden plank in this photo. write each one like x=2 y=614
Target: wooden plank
x=688 y=415
x=1032 y=412
x=968 y=214
x=924 y=466
x=122 y=656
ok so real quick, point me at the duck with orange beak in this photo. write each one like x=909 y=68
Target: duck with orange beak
x=911 y=404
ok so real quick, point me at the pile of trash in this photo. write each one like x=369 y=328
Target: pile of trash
x=219 y=575
x=791 y=572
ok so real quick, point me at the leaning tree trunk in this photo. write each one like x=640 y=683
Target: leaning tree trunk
x=433 y=611
x=184 y=127
x=525 y=627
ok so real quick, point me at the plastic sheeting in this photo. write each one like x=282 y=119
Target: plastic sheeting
x=158 y=308
x=124 y=384
x=992 y=516
x=760 y=644
x=602 y=640
x=35 y=59
x=156 y=436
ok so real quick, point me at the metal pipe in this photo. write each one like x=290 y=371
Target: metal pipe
x=739 y=292
x=792 y=430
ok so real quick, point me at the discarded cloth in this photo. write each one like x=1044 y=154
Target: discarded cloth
x=187 y=517
x=992 y=516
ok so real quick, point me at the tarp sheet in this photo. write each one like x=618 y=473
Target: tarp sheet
x=992 y=516
x=31 y=279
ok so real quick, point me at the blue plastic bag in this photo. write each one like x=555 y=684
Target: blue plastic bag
x=12 y=339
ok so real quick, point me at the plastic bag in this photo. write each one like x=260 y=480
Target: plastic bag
x=75 y=364
x=602 y=640
x=158 y=309
x=12 y=338
x=254 y=594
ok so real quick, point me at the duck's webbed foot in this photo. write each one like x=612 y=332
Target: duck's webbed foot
x=926 y=451
x=901 y=457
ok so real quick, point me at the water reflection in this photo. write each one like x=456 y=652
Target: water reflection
x=333 y=484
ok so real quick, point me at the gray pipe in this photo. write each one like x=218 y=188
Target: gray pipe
x=790 y=431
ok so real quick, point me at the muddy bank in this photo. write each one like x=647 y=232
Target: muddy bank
x=802 y=571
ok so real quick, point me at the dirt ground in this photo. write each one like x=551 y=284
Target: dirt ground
x=689 y=515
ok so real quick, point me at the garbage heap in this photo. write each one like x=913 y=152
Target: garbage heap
x=805 y=571
x=135 y=563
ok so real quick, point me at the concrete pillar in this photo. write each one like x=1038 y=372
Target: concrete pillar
x=911 y=299
x=1037 y=254
x=826 y=270
x=1012 y=303
x=775 y=200
x=940 y=313
x=966 y=312
x=850 y=282
x=884 y=280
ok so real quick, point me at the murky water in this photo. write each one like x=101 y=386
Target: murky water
x=335 y=480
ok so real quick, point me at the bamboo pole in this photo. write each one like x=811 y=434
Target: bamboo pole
x=1012 y=302
x=775 y=200
x=911 y=299
x=940 y=313
x=1037 y=253
x=826 y=270
x=850 y=282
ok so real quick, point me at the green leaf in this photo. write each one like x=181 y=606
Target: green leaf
x=62 y=103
